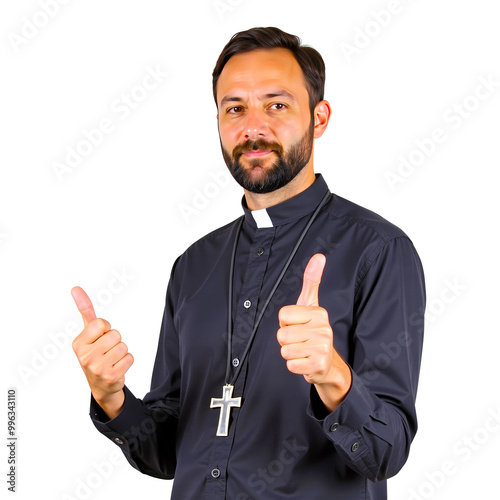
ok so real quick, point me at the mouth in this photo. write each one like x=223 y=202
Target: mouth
x=256 y=154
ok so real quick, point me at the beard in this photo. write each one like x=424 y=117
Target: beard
x=285 y=168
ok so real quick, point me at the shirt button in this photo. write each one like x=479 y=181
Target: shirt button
x=334 y=427
x=260 y=251
x=355 y=446
x=215 y=473
x=118 y=441
x=236 y=362
x=247 y=304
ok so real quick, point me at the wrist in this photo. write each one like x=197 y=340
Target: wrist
x=333 y=390
x=111 y=404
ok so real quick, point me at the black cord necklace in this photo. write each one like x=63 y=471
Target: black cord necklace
x=227 y=401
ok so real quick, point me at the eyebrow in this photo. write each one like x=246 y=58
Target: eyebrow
x=229 y=98
x=280 y=93
x=270 y=95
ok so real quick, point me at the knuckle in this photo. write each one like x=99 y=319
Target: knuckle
x=324 y=314
x=100 y=325
x=326 y=332
x=323 y=348
x=284 y=312
x=108 y=378
x=97 y=326
x=85 y=360
x=96 y=373
x=322 y=365
x=281 y=314
x=282 y=334
x=285 y=352
x=97 y=370
x=114 y=335
x=318 y=365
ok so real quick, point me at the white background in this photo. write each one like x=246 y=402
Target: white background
x=122 y=209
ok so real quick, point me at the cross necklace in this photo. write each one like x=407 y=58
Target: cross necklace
x=226 y=402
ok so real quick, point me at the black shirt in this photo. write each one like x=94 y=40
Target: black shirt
x=282 y=443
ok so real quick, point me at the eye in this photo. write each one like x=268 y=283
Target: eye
x=234 y=110
x=278 y=106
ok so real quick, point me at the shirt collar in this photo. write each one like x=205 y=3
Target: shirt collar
x=289 y=210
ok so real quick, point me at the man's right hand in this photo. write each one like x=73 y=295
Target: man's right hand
x=103 y=357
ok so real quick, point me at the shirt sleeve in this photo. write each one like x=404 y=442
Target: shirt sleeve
x=373 y=427
x=145 y=429
x=139 y=432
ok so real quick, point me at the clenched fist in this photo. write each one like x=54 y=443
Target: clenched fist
x=306 y=340
x=103 y=356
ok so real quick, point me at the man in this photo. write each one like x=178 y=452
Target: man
x=290 y=345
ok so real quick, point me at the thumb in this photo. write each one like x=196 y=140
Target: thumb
x=84 y=305
x=312 y=278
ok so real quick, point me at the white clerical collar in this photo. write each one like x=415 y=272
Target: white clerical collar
x=261 y=218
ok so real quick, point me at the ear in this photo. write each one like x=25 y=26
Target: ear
x=322 y=113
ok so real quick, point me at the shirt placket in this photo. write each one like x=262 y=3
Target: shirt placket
x=246 y=308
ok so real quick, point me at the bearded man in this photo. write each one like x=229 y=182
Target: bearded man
x=291 y=340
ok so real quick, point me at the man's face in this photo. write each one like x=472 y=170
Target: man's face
x=265 y=124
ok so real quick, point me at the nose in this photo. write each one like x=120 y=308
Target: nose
x=252 y=134
x=255 y=126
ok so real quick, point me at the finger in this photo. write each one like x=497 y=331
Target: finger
x=94 y=331
x=299 y=366
x=90 y=334
x=84 y=305
x=293 y=334
x=295 y=351
x=115 y=354
x=299 y=315
x=312 y=367
x=122 y=366
x=107 y=341
x=312 y=279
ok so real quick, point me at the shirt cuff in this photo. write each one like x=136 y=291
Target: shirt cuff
x=120 y=429
x=344 y=425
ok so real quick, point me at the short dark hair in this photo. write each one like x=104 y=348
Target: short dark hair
x=309 y=59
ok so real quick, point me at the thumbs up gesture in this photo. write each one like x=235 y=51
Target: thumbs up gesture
x=103 y=357
x=306 y=340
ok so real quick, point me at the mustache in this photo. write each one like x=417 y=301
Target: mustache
x=259 y=144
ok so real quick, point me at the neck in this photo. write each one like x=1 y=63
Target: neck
x=301 y=182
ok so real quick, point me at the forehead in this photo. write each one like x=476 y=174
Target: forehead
x=262 y=69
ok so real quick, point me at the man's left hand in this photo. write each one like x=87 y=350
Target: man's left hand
x=306 y=340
